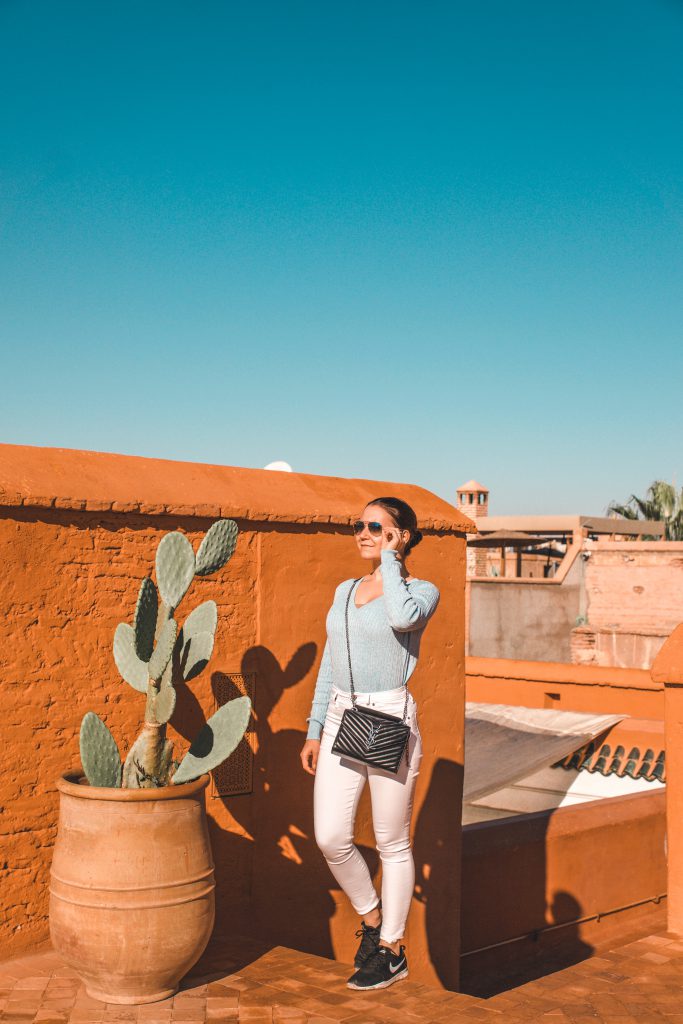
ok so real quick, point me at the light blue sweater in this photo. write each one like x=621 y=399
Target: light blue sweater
x=384 y=635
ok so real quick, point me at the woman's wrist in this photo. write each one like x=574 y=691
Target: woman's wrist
x=389 y=555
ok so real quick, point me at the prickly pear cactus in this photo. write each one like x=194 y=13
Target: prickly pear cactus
x=164 y=704
x=217 y=547
x=175 y=564
x=129 y=665
x=194 y=654
x=203 y=619
x=99 y=754
x=216 y=741
x=153 y=656
x=164 y=649
x=145 y=621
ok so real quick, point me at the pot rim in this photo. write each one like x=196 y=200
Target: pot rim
x=71 y=784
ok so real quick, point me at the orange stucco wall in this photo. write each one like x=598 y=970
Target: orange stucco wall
x=552 y=684
x=526 y=874
x=78 y=531
x=667 y=671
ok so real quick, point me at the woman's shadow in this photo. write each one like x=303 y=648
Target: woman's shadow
x=272 y=882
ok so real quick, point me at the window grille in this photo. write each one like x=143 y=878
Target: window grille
x=235 y=777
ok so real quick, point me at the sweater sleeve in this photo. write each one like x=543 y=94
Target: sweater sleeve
x=407 y=609
x=321 y=697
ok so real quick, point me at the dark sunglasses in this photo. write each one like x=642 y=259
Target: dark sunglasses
x=374 y=529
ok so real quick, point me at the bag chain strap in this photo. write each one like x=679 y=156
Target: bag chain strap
x=348 y=651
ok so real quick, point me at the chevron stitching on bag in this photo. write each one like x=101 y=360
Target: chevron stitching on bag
x=378 y=744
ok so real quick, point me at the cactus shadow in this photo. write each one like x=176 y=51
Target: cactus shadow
x=287 y=895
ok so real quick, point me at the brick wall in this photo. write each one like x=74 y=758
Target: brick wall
x=634 y=584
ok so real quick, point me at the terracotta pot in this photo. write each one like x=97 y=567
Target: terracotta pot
x=132 y=887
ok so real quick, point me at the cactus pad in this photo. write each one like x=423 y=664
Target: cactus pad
x=175 y=564
x=145 y=622
x=99 y=753
x=133 y=670
x=217 y=547
x=164 y=704
x=216 y=741
x=163 y=650
x=203 y=619
x=195 y=653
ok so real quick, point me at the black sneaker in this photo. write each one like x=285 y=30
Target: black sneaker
x=382 y=969
x=369 y=941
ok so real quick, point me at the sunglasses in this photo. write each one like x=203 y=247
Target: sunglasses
x=374 y=529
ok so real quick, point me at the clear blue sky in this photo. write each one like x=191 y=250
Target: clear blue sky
x=407 y=241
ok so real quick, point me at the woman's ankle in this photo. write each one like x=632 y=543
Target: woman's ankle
x=395 y=947
x=373 y=919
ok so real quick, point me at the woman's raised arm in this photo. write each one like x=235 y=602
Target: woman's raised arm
x=407 y=609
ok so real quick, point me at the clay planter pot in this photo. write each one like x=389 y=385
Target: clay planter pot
x=132 y=887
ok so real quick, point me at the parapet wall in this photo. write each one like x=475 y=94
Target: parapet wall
x=565 y=687
x=78 y=531
x=568 y=880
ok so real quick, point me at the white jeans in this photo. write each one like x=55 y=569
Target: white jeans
x=338 y=786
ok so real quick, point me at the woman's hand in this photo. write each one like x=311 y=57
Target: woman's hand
x=309 y=756
x=392 y=539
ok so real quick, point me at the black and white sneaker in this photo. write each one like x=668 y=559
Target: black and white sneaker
x=369 y=941
x=382 y=969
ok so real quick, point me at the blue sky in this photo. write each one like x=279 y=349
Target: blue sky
x=411 y=242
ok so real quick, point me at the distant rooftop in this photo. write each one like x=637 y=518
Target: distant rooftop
x=472 y=485
x=570 y=524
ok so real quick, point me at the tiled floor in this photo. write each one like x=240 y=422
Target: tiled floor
x=640 y=983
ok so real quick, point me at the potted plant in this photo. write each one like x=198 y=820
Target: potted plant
x=132 y=884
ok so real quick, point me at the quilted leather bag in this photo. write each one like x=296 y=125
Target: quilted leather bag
x=369 y=736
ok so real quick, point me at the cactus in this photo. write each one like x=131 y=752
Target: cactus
x=99 y=754
x=203 y=619
x=164 y=704
x=129 y=665
x=163 y=651
x=145 y=621
x=216 y=741
x=154 y=656
x=195 y=653
x=175 y=563
x=217 y=547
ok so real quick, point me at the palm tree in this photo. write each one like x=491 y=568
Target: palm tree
x=662 y=503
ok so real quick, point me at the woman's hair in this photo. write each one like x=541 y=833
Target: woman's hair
x=404 y=517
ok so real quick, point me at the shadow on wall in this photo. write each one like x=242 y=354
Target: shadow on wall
x=504 y=893
x=273 y=883
x=437 y=884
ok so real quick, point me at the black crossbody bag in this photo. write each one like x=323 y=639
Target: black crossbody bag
x=367 y=735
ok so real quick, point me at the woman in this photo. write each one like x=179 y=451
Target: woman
x=388 y=610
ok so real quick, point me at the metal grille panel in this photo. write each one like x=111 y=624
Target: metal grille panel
x=235 y=776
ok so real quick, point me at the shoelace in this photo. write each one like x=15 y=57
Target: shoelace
x=368 y=944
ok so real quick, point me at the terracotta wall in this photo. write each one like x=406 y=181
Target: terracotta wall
x=525 y=874
x=634 y=584
x=550 y=684
x=78 y=531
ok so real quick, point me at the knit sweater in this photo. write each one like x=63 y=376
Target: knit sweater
x=384 y=635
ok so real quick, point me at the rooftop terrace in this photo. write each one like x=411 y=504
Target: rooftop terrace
x=636 y=983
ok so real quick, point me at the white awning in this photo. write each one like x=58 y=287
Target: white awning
x=504 y=744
